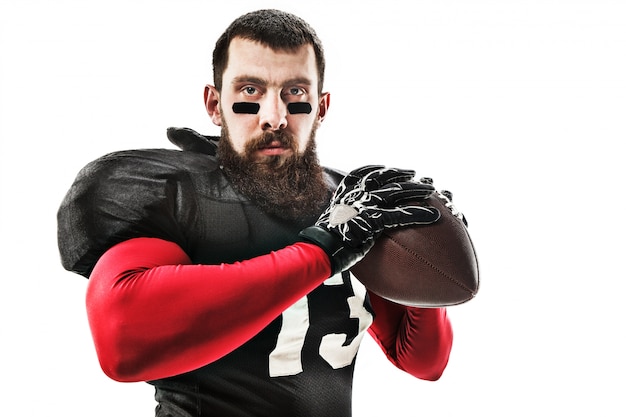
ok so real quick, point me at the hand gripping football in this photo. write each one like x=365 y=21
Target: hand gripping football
x=432 y=265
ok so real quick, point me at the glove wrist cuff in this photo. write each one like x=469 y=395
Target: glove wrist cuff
x=324 y=239
x=341 y=257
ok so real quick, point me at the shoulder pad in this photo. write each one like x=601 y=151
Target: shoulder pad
x=190 y=140
x=333 y=177
x=123 y=195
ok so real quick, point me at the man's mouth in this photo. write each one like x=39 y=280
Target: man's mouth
x=275 y=147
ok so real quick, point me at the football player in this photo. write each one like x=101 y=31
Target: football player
x=219 y=273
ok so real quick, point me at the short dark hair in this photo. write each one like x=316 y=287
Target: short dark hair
x=276 y=29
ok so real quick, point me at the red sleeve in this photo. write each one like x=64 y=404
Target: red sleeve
x=153 y=314
x=416 y=340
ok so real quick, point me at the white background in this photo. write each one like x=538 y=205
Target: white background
x=516 y=106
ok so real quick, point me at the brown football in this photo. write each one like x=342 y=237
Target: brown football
x=424 y=265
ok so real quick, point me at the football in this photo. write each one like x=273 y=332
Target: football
x=431 y=265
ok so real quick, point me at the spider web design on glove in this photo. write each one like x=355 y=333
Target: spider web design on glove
x=370 y=199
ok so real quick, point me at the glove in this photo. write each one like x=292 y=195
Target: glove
x=367 y=201
x=446 y=198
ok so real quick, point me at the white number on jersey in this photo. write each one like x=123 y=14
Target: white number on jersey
x=286 y=358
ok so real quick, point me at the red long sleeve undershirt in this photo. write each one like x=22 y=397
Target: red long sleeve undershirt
x=153 y=314
x=416 y=340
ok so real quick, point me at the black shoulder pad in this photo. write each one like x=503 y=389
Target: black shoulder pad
x=333 y=177
x=190 y=140
x=123 y=195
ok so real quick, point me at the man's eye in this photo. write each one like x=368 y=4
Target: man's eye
x=296 y=91
x=249 y=91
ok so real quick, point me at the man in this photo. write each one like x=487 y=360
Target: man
x=219 y=274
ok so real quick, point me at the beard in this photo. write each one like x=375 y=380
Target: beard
x=290 y=187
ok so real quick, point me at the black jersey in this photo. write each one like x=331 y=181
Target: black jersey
x=299 y=365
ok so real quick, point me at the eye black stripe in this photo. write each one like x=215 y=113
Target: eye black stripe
x=246 y=108
x=299 y=108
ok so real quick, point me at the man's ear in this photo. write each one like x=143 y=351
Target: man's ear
x=323 y=107
x=212 y=104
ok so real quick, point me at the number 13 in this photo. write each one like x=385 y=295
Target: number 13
x=286 y=358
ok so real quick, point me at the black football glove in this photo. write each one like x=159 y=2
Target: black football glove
x=446 y=198
x=367 y=201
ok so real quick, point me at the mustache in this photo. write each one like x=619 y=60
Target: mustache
x=266 y=139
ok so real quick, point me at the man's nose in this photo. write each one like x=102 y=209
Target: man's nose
x=273 y=113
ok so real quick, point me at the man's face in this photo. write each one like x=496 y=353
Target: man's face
x=269 y=154
x=272 y=79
